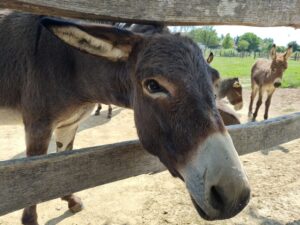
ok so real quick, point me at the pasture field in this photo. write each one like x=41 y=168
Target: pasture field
x=241 y=67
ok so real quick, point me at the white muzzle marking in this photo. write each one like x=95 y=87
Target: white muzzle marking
x=215 y=163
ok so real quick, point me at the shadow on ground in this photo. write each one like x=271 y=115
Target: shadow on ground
x=94 y=121
x=279 y=147
x=262 y=220
x=60 y=218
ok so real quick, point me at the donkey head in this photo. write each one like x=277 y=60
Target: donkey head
x=174 y=110
x=232 y=89
x=279 y=63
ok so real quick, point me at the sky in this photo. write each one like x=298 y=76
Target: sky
x=281 y=35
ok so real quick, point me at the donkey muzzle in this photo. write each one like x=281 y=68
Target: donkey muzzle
x=277 y=82
x=215 y=179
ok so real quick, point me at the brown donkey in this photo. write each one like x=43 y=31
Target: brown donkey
x=230 y=88
x=266 y=76
x=53 y=72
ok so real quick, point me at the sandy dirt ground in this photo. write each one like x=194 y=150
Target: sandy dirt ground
x=159 y=199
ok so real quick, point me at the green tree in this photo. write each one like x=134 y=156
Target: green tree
x=206 y=35
x=266 y=44
x=253 y=41
x=281 y=49
x=227 y=42
x=294 y=45
x=243 y=46
x=221 y=38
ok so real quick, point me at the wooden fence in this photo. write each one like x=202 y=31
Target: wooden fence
x=170 y=12
x=55 y=175
x=33 y=180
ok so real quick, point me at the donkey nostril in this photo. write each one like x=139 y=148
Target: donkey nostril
x=277 y=84
x=228 y=207
x=216 y=199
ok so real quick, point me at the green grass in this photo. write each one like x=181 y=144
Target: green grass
x=241 y=67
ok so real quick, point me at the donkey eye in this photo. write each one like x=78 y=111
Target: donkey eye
x=153 y=86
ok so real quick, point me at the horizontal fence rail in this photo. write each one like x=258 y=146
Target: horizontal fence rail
x=171 y=12
x=33 y=180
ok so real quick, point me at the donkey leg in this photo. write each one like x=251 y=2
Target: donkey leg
x=97 y=113
x=109 y=114
x=64 y=141
x=258 y=104
x=38 y=135
x=29 y=216
x=253 y=95
x=267 y=104
x=74 y=203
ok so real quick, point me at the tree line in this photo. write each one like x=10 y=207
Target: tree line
x=246 y=44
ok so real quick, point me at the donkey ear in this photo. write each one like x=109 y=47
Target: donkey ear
x=210 y=58
x=273 y=52
x=101 y=40
x=288 y=53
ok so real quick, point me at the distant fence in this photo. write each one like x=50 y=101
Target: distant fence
x=296 y=56
x=234 y=53
x=25 y=182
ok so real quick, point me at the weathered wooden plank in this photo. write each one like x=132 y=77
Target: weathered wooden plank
x=252 y=137
x=172 y=12
x=25 y=182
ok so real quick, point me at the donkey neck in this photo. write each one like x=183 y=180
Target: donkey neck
x=103 y=81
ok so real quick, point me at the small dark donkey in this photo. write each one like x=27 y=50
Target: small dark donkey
x=266 y=76
x=230 y=88
x=53 y=72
